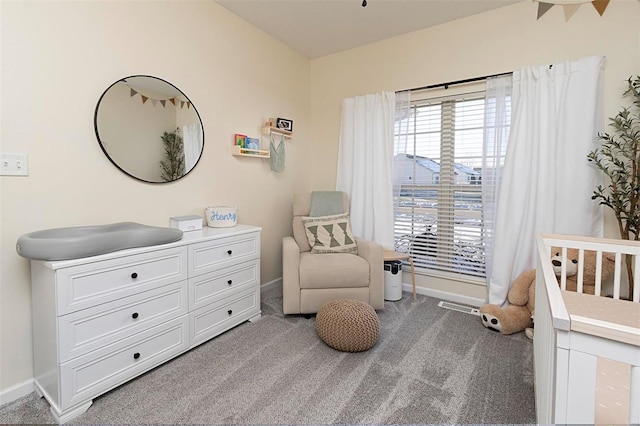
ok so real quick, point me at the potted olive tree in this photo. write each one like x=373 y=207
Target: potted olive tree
x=619 y=159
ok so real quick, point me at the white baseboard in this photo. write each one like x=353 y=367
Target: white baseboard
x=443 y=295
x=274 y=283
x=14 y=392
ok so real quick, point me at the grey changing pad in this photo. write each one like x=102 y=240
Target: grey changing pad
x=83 y=241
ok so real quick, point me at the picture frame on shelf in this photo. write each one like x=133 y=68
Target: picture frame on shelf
x=252 y=143
x=284 y=124
x=240 y=140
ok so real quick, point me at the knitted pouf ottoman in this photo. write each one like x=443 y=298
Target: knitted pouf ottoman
x=348 y=325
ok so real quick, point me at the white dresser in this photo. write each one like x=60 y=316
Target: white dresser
x=103 y=320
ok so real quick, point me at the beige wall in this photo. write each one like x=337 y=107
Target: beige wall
x=494 y=42
x=58 y=58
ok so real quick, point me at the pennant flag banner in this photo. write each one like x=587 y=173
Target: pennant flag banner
x=570 y=6
x=163 y=102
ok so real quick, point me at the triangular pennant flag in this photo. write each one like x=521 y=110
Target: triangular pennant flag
x=173 y=101
x=181 y=104
x=132 y=92
x=162 y=102
x=154 y=102
x=188 y=104
x=543 y=8
x=570 y=10
x=144 y=98
x=600 y=5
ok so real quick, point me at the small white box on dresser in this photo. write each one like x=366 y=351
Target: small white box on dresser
x=186 y=223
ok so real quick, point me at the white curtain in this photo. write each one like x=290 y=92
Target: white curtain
x=192 y=139
x=497 y=122
x=365 y=164
x=547 y=181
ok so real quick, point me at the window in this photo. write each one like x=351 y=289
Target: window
x=439 y=217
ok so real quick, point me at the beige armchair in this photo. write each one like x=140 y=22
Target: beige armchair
x=310 y=280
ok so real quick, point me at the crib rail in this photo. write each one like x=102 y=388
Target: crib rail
x=567 y=346
x=620 y=248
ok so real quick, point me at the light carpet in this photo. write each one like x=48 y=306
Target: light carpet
x=430 y=366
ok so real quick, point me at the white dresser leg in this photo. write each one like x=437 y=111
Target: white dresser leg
x=74 y=412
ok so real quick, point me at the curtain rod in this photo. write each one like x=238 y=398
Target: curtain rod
x=451 y=83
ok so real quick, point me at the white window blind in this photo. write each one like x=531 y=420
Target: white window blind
x=438 y=219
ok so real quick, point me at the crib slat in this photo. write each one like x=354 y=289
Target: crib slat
x=636 y=280
x=563 y=269
x=598 y=272
x=616 y=276
x=580 y=269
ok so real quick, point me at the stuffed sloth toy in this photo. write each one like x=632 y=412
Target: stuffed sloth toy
x=517 y=316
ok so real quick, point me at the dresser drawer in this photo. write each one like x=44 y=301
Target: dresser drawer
x=80 y=287
x=92 y=374
x=208 y=288
x=93 y=328
x=213 y=319
x=209 y=256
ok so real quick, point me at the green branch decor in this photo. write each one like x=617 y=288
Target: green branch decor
x=173 y=166
x=619 y=159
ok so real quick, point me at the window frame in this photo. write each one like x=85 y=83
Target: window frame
x=446 y=192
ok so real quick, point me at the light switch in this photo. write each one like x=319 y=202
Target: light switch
x=14 y=165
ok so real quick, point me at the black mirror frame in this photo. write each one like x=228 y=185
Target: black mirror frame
x=95 y=126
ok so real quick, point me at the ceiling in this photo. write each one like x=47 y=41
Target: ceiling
x=317 y=28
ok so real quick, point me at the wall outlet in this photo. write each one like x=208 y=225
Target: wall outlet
x=14 y=165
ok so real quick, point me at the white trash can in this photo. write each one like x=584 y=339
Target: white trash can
x=393 y=280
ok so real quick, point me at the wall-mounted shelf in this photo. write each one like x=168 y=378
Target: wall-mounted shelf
x=246 y=152
x=266 y=130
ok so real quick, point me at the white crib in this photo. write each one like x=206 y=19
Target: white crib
x=576 y=334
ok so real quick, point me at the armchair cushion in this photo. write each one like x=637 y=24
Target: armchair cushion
x=333 y=270
x=330 y=234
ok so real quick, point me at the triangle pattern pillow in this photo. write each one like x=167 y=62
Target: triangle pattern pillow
x=330 y=234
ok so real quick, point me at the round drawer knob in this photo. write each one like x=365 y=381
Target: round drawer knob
x=134 y=315
x=229 y=252
x=229 y=282
x=229 y=311
x=136 y=355
x=134 y=275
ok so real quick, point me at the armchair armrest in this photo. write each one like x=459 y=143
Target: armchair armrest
x=372 y=253
x=290 y=276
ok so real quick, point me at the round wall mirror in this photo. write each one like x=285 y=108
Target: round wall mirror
x=149 y=129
